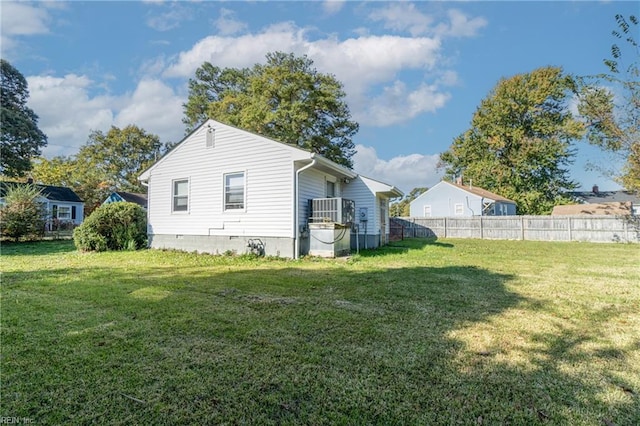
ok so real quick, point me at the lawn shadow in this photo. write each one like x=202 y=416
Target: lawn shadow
x=403 y=246
x=37 y=248
x=277 y=344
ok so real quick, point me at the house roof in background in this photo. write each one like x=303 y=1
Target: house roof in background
x=133 y=197
x=605 y=197
x=475 y=190
x=50 y=192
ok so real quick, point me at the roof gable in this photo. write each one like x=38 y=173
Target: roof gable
x=378 y=187
x=297 y=152
x=480 y=192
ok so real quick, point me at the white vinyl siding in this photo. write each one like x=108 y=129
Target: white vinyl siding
x=234 y=191
x=180 y=195
x=268 y=195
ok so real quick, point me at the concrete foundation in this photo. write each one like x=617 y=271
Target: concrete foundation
x=269 y=246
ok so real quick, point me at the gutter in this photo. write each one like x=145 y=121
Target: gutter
x=296 y=202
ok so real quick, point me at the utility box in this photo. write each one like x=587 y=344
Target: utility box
x=329 y=239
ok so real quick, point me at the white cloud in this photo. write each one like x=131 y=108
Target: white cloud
x=227 y=24
x=397 y=104
x=170 y=19
x=405 y=172
x=359 y=63
x=460 y=25
x=24 y=19
x=403 y=17
x=332 y=7
x=67 y=112
x=154 y=107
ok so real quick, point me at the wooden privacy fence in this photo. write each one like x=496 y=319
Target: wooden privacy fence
x=539 y=228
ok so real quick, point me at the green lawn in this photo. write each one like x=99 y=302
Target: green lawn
x=422 y=332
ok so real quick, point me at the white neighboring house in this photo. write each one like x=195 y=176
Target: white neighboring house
x=225 y=189
x=448 y=199
x=63 y=206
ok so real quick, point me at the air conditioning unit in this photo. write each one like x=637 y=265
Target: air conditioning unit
x=331 y=210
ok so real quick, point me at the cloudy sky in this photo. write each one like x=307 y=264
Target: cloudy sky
x=413 y=72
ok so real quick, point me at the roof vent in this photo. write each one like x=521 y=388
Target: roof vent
x=595 y=189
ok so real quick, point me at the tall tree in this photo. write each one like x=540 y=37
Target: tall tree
x=107 y=162
x=120 y=155
x=286 y=99
x=21 y=139
x=520 y=141
x=610 y=104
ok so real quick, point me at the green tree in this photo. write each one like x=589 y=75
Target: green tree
x=120 y=155
x=88 y=182
x=108 y=162
x=610 y=104
x=286 y=99
x=520 y=141
x=20 y=137
x=22 y=215
x=402 y=207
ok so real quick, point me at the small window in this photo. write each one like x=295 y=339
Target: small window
x=64 y=212
x=234 y=190
x=427 y=210
x=181 y=195
x=211 y=137
x=458 y=209
x=331 y=189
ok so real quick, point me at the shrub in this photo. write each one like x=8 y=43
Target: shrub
x=22 y=215
x=115 y=226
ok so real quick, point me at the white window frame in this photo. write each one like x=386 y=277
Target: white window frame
x=174 y=182
x=61 y=215
x=427 y=210
x=326 y=189
x=225 y=185
x=458 y=209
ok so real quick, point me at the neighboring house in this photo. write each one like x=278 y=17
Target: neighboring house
x=595 y=196
x=63 y=206
x=225 y=189
x=131 y=197
x=447 y=199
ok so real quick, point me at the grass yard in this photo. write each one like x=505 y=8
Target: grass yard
x=421 y=332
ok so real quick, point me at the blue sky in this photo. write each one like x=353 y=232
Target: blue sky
x=414 y=72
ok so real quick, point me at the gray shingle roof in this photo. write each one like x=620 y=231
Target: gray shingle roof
x=52 y=193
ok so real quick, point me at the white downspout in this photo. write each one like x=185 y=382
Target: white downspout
x=296 y=197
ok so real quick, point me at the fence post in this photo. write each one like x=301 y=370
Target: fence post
x=481 y=229
x=569 y=228
x=445 y=227
x=522 y=228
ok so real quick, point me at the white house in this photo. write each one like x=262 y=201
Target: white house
x=447 y=199
x=225 y=189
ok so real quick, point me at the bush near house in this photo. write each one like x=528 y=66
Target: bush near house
x=22 y=216
x=115 y=226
